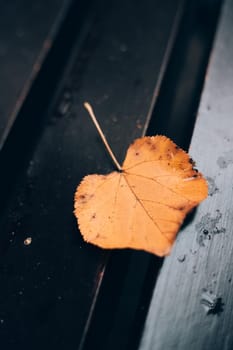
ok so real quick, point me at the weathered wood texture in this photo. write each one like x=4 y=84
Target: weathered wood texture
x=192 y=302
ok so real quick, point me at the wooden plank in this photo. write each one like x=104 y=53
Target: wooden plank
x=192 y=301
x=48 y=287
x=28 y=30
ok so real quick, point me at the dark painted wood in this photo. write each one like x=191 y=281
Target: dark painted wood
x=48 y=287
x=192 y=302
x=182 y=85
x=28 y=29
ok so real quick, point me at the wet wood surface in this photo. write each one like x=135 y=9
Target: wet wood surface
x=192 y=305
x=141 y=66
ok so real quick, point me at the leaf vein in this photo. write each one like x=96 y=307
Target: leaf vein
x=139 y=201
x=169 y=188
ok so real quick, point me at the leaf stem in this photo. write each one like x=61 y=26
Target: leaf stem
x=110 y=152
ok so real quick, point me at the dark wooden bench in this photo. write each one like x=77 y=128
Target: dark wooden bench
x=146 y=67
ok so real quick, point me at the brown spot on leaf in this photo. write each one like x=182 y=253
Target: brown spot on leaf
x=83 y=198
x=148 y=141
x=191 y=161
x=181 y=208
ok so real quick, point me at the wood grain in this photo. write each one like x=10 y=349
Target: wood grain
x=192 y=302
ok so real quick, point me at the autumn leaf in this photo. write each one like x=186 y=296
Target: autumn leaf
x=143 y=205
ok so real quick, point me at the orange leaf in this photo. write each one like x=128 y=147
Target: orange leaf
x=143 y=206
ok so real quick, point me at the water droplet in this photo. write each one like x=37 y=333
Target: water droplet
x=211 y=302
x=208 y=301
x=208 y=227
x=181 y=258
